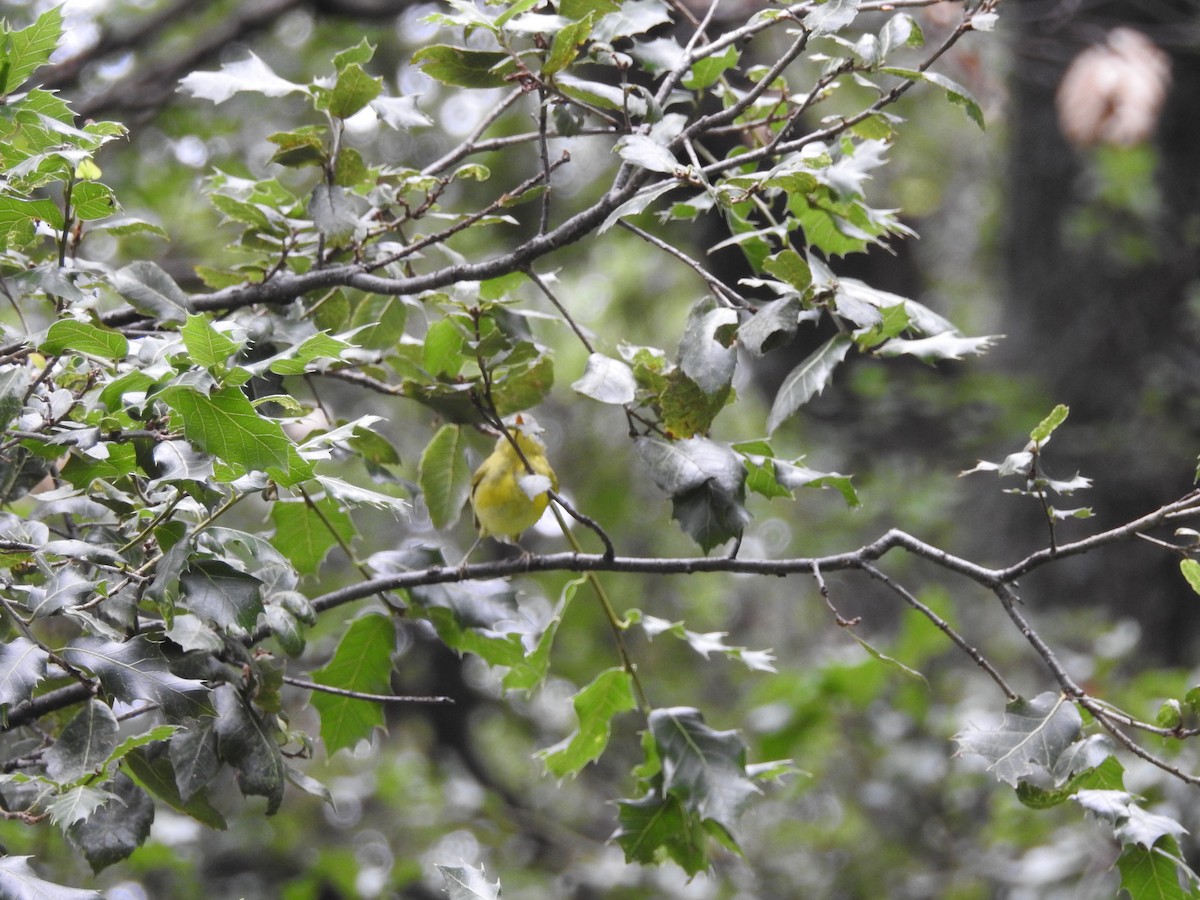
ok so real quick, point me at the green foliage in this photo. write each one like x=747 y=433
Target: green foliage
x=188 y=504
x=362 y=663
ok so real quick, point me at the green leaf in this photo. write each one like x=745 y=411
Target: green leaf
x=524 y=385
x=1030 y=739
x=530 y=672
x=297 y=149
x=444 y=476
x=361 y=53
x=705 y=72
x=84 y=337
x=205 y=345
x=955 y=92
x=353 y=91
x=808 y=379
x=1046 y=427
x=152 y=291
x=1109 y=775
x=91 y=200
x=362 y=662
x=305 y=533
x=18 y=218
x=476 y=617
x=380 y=322
x=114 y=831
x=19 y=881
x=27 y=49
x=222 y=594
x=157 y=776
x=901 y=30
x=608 y=694
x=460 y=67
x=1153 y=874
x=84 y=745
x=790 y=267
x=1170 y=714
x=653 y=829
x=1191 y=572
x=565 y=46
x=248 y=743
x=225 y=424
x=298 y=359
x=442 y=353
x=137 y=670
x=578 y=9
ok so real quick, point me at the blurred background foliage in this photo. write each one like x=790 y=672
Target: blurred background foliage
x=1084 y=255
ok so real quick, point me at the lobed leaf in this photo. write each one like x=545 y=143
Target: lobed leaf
x=22 y=666
x=362 y=662
x=1030 y=739
x=250 y=74
x=596 y=705
x=115 y=830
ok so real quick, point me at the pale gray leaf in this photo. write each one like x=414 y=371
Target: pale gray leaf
x=251 y=74
x=808 y=379
x=607 y=380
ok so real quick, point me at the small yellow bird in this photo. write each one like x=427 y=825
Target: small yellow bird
x=507 y=497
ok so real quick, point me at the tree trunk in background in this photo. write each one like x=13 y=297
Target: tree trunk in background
x=1102 y=302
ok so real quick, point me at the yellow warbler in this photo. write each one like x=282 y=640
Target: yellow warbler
x=501 y=488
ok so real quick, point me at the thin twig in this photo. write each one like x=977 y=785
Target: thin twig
x=943 y=626
x=545 y=289
x=360 y=695
x=718 y=287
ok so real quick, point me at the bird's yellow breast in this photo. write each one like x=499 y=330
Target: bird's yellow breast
x=502 y=509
